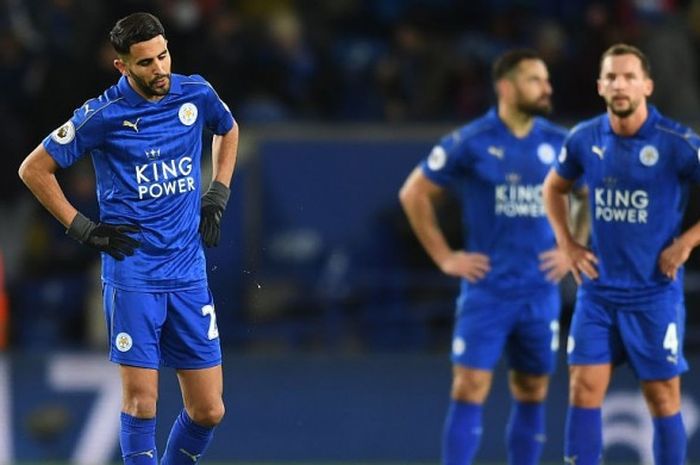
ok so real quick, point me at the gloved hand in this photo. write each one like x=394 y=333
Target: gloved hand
x=213 y=206
x=105 y=237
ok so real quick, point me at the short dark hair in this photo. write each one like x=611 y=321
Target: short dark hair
x=626 y=49
x=132 y=29
x=508 y=61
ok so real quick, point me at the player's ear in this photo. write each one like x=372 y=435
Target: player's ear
x=121 y=66
x=648 y=87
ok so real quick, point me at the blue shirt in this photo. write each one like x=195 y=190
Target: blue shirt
x=498 y=178
x=147 y=163
x=638 y=193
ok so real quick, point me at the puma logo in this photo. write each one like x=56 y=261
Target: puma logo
x=497 y=152
x=194 y=457
x=571 y=460
x=147 y=453
x=598 y=151
x=131 y=125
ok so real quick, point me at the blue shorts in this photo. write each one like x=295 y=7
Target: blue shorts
x=528 y=328
x=650 y=339
x=152 y=329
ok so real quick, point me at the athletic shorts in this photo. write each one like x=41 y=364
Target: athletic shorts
x=152 y=329
x=650 y=339
x=527 y=328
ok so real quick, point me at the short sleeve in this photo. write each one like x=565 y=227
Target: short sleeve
x=82 y=133
x=567 y=164
x=444 y=164
x=218 y=117
x=689 y=158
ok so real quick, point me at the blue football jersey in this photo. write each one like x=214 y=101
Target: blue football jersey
x=638 y=192
x=147 y=158
x=498 y=179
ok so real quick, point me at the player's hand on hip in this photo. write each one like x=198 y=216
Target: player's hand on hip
x=112 y=239
x=555 y=264
x=582 y=261
x=213 y=205
x=467 y=265
x=673 y=257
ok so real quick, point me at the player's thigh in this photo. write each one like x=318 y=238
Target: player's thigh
x=201 y=388
x=534 y=341
x=139 y=390
x=653 y=339
x=190 y=337
x=134 y=322
x=480 y=332
x=594 y=337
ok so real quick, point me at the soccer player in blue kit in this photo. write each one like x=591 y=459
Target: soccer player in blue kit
x=638 y=166
x=510 y=266
x=144 y=135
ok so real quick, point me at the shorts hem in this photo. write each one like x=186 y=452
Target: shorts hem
x=134 y=363
x=193 y=366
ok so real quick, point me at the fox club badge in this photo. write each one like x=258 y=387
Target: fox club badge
x=187 y=114
x=648 y=155
x=545 y=152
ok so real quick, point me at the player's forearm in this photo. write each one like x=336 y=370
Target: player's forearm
x=44 y=185
x=691 y=236
x=556 y=206
x=224 y=152
x=580 y=217
x=423 y=220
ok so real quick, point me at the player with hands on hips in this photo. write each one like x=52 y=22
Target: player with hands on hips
x=510 y=265
x=144 y=135
x=638 y=166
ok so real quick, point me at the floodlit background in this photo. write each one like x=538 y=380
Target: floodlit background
x=336 y=325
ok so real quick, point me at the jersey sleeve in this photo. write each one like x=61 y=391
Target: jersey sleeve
x=79 y=135
x=689 y=159
x=443 y=165
x=218 y=117
x=567 y=164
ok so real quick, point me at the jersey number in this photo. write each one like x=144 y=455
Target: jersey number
x=213 y=332
x=671 y=339
x=554 y=327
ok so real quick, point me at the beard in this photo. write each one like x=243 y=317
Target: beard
x=540 y=107
x=622 y=112
x=149 y=88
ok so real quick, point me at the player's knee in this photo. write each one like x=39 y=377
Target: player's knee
x=470 y=388
x=209 y=415
x=528 y=388
x=140 y=405
x=585 y=392
x=662 y=399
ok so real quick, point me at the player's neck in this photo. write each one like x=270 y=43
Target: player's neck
x=519 y=123
x=629 y=125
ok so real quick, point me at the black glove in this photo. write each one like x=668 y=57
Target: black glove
x=213 y=205
x=105 y=237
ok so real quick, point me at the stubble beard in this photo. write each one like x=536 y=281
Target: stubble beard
x=149 y=88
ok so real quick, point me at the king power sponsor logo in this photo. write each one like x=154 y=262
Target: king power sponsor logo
x=516 y=200
x=621 y=205
x=164 y=177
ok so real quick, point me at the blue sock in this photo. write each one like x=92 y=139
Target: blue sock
x=670 y=441
x=187 y=441
x=525 y=433
x=583 y=441
x=137 y=438
x=462 y=433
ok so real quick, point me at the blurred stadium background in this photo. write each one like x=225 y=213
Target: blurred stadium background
x=336 y=325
